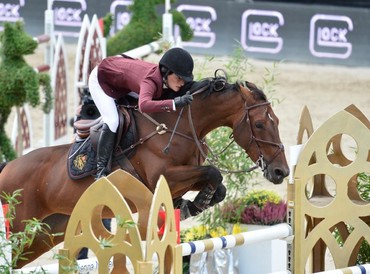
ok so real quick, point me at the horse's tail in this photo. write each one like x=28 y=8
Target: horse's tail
x=2 y=165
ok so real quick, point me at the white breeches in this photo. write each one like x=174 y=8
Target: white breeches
x=105 y=104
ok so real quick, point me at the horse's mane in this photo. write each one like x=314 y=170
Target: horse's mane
x=2 y=165
x=220 y=84
x=207 y=86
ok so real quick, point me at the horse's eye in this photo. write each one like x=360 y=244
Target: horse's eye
x=259 y=125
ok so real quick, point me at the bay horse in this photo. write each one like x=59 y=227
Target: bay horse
x=50 y=195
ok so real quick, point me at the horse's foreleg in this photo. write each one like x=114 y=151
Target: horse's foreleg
x=57 y=224
x=206 y=179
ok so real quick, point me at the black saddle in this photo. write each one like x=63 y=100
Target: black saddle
x=82 y=155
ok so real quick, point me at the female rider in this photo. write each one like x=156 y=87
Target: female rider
x=116 y=76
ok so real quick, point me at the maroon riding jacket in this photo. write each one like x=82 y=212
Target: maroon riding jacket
x=118 y=76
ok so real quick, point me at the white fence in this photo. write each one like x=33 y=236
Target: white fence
x=279 y=231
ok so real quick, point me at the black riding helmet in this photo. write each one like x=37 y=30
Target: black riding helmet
x=180 y=62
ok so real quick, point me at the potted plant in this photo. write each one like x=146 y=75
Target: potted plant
x=257 y=210
x=257 y=207
x=212 y=261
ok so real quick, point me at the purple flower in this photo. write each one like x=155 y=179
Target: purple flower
x=270 y=214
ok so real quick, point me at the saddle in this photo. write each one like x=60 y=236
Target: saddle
x=82 y=155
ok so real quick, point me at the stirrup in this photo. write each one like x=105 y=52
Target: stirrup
x=102 y=173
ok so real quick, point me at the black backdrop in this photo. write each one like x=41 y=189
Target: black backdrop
x=308 y=31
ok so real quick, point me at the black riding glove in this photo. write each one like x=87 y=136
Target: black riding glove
x=184 y=100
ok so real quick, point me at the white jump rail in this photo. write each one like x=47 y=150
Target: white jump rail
x=279 y=231
x=358 y=269
x=144 y=50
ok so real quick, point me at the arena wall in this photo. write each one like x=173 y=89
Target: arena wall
x=299 y=32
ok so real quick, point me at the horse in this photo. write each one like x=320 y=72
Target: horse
x=49 y=194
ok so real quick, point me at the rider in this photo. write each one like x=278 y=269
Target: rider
x=116 y=76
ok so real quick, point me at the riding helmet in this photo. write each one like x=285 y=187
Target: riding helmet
x=180 y=62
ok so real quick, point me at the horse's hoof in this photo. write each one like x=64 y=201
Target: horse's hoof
x=187 y=209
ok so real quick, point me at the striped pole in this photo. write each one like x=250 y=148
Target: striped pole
x=144 y=50
x=278 y=231
x=274 y=232
x=359 y=269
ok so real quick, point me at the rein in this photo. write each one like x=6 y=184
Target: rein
x=217 y=83
x=212 y=161
x=160 y=129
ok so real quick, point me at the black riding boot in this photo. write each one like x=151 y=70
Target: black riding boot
x=105 y=150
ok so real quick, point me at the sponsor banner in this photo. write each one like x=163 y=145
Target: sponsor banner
x=277 y=31
x=266 y=30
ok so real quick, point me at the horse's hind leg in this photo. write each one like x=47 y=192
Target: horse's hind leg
x=44 y=242
x=206 y=179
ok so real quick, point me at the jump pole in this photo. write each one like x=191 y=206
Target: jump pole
x=145 y=50
x=279 y=231
x=49 y=30
x=358 y=269
x=167 y=23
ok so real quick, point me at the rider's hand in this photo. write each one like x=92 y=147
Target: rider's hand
x=184 y=100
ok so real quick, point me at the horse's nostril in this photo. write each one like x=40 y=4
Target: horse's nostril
x=278 y=172
x=281 y=173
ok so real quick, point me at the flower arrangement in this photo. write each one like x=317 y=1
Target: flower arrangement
x=263 y=207
x=202 y=232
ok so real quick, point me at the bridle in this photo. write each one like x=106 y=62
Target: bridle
x=261 y=162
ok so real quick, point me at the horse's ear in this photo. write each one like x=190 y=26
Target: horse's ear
x=251 y=86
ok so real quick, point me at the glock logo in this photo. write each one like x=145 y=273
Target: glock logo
x=10 y=12
x=328 y=36
x=199 y=19
x=121 y=14
x=69 y=13
x=259 y=31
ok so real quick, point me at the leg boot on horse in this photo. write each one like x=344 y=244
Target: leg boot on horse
x=104 y=151
x=193 y=208
x=206 y=179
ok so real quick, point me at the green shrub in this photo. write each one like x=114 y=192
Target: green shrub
x=230 y=157
x=18 y=241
